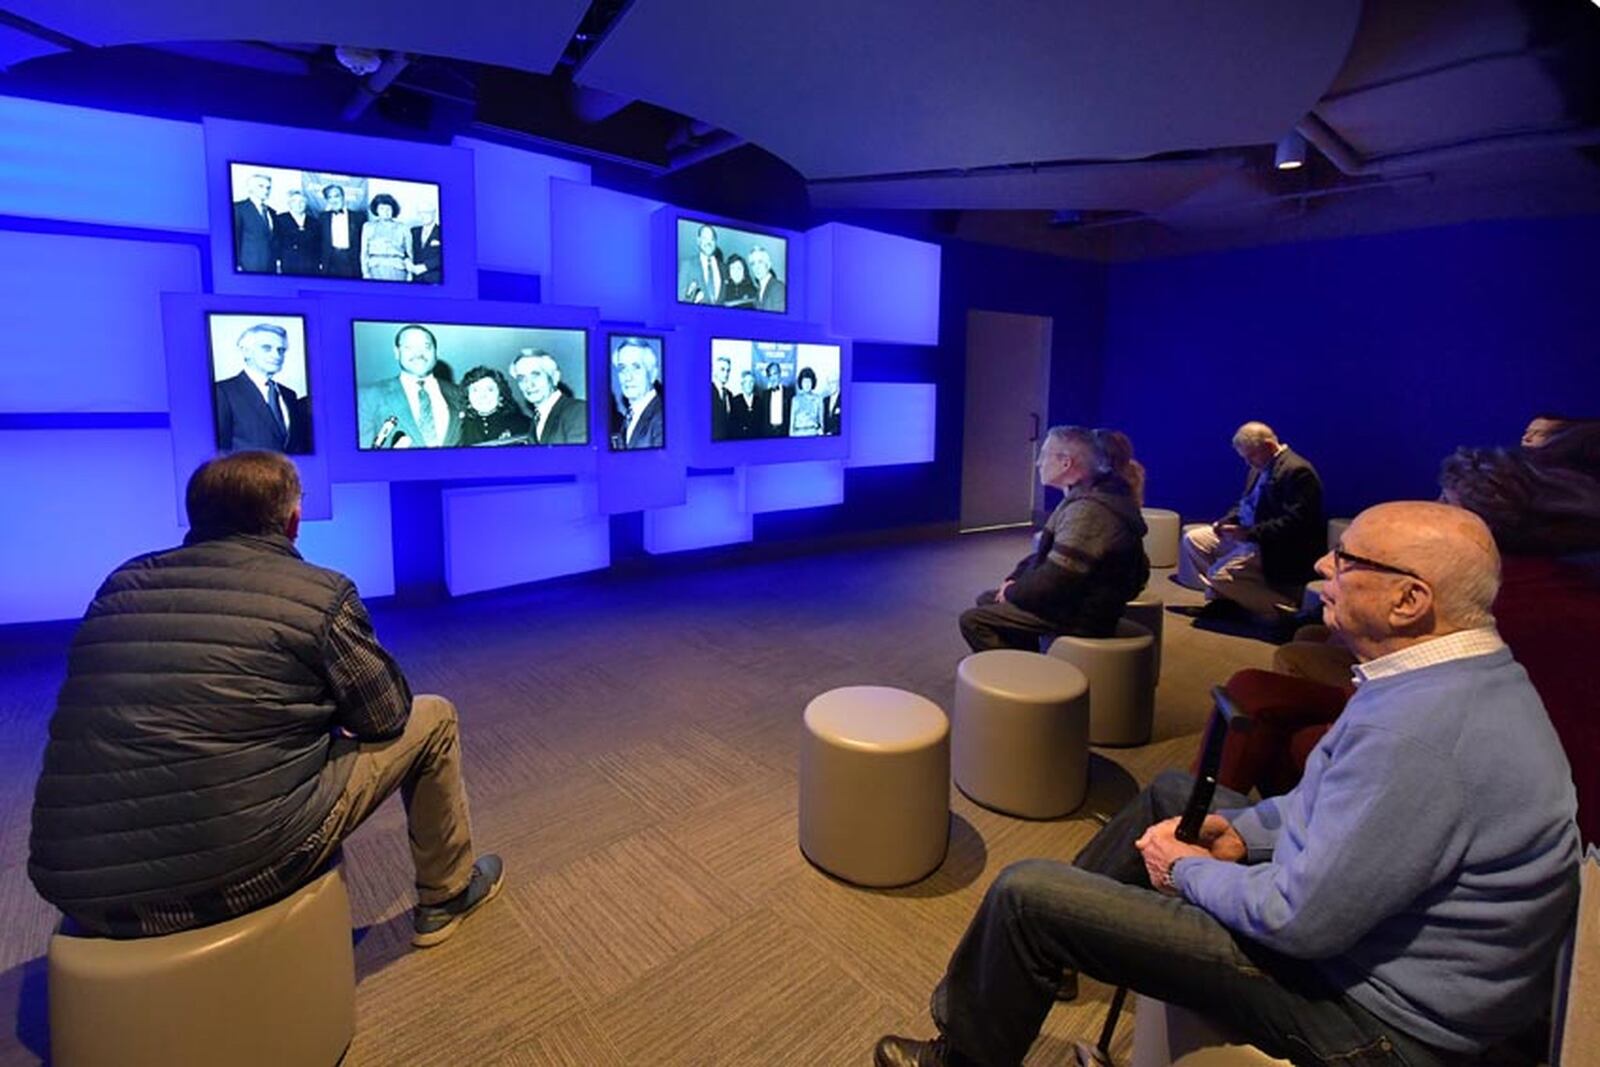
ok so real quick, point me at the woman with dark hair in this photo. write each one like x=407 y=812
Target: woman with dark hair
x=490 y=417
x=1118 y=449
x=740 y=292
x=805 y=414
x=385 y=242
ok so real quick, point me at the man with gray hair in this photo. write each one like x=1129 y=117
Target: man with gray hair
x=1254 y=556
x=1089 y=561
x=1403 y=905
x=558 y=417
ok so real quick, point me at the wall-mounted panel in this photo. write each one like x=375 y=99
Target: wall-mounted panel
x=793 y=486
x=83 y=318
x=851 y=292
x=357 y=540
x=713 y=513
x=600 y=250
x=89 y=499
x=514 y=204
x=891 y=423
x=86 y=165
x=507 y=535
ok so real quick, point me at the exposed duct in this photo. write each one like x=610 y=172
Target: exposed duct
x=1350 y=162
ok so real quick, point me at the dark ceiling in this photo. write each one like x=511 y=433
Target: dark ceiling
x=1109 y=131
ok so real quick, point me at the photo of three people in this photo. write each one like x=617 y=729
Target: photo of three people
x=720 y=266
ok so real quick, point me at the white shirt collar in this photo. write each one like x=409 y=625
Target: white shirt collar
x=1463 y=644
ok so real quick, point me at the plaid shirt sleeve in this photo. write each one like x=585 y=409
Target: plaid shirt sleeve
x=373 y=697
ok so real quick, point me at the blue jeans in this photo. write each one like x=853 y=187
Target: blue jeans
x=1101 y=917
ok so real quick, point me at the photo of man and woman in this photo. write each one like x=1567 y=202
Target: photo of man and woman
x=720 y=266
x=638 y=403
x=258 y=372
x=774 y=389
x=316 y=224
x=445 y=385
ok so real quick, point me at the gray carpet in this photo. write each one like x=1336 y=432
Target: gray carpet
x=631 y=752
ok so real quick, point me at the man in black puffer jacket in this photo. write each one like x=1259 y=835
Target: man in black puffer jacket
x=1090 y=559
x=228 y=718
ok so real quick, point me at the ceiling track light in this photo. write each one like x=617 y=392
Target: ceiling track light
x=1291 y=152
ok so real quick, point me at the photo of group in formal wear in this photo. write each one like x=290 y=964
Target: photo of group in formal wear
x=259 y=392
x=315 y=224
x=720 y=266
x=449 y=385
x=774 y=389
x=638 y=400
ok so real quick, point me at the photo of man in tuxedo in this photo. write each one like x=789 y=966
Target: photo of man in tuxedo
x=427 y=248
x=340 y=234
x=773 y=404
x=413 y=409
x=253 y=225
x=702 y=276
x=254 y=410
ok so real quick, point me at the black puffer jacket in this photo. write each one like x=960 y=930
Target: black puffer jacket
x=1089 y=563
x=189 y=745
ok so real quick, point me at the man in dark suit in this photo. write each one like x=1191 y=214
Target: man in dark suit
x=770 y=293
x=558 y=417
x=253 y=225
x=701 y=277
x=722 y=425
x=1256 y=555
x=296 y=240
x=413 y=409
x=253 y=410
x=340 y=231
x=427 y=249
x=741 y=423
x=638 y=377
x=771 y=416
x=831 y=421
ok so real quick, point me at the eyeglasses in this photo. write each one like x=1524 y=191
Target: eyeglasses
x=1343 y=561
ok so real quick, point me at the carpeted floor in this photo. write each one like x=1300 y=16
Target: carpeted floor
x=631 y=751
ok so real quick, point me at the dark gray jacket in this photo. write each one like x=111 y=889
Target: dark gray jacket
x=1089 y=563
x=189 y=747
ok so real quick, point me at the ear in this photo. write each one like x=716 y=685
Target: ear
x=291 y=529
x=1413 y=607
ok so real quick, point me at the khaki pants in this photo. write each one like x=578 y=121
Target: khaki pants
x=1232 y=569
x=424 y=763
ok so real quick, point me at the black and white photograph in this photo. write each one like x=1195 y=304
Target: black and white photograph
x=721 y=266
x=774 y=389
x=449 y=385
x=638 y=397
x=317 y=224
x=260 y=395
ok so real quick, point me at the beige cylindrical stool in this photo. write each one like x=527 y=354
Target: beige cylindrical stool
x=1122 y=682
x=1311 y=599
x=1336 y=529
x=1161 y=536
x=1168 y=1036
x=1186 y=576
x=1151 y=613
x=1020 y=733
x=276 y=986
x=875 y=785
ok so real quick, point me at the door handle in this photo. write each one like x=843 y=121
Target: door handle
x=1033 y=434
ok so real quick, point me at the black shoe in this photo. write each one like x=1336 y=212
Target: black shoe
x=894 y=1051
x=433 y=923
x=1212 y=610
x=1067 y=991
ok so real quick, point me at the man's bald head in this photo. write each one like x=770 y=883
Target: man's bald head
x=1449 y=547
x=1256 y=444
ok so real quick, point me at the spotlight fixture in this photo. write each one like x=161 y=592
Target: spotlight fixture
x=1291 y=153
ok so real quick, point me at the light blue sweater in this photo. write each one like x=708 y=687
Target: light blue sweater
x=1428 y=860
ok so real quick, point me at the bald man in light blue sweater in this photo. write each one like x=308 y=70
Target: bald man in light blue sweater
x=1402 y=905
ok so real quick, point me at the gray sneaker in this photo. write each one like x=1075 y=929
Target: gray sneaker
x=433 y=923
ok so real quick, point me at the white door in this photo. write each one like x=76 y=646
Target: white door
x=1008 y=383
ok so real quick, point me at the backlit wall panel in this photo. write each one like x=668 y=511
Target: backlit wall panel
x=514 y=204
x=713 y=513
x=792 y=486
x=506 y=535
x=890 y=423
x=874 y=286
x=357 y=540
x=600 y=251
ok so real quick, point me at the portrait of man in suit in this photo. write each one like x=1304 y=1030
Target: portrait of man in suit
x=295 y=238
x=254 y=410
x=702 y=275
x=427 y=248
x=558 y=417
x=742 y=422
x=721 y=399
x=253 y=226
x=640 y=422
x=340 y=233
x=770 y=293
x=414 y=408
x=831 y=420
x=773 y=404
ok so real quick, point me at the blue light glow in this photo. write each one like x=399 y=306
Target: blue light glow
x=890 y=423
x=86 y=313
x=791 y=486
x=514 y=204
x=600 y=252
x=848 y=295
x=712 y=514
x=356 y=541
x=506 y=535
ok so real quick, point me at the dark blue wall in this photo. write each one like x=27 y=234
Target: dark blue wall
x=1374 y=356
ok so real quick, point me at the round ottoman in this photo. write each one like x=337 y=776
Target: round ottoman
x=875 y=785
x=1161 y=536
x=1122 y=682
x=1336 y=529
x=1186 y=575
x=1311 y=598
x=1150 y=612
x=1020 y=733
